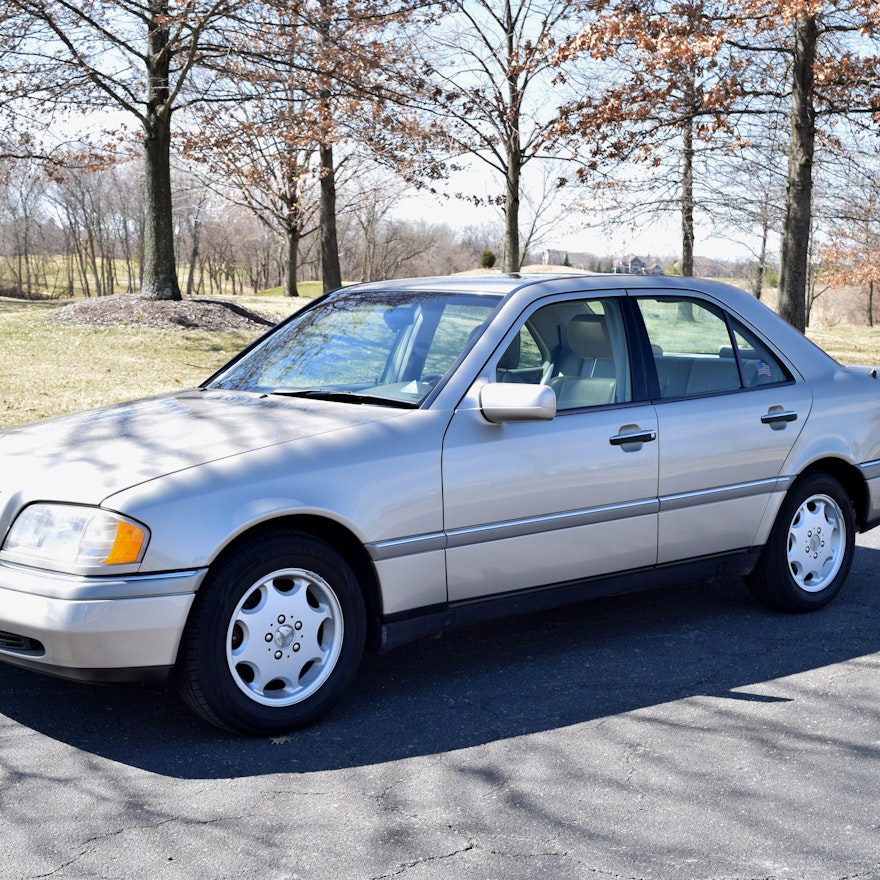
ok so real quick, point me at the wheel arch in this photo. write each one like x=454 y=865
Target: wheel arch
x=340 y=539
x=849 y=478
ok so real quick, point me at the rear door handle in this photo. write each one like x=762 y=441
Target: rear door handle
x=635 y=437
x=774 y=418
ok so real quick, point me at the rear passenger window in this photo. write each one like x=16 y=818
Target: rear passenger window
x=693 y=350
x=759 y=365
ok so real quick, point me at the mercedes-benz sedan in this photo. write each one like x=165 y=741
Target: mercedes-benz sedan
x=400 y=458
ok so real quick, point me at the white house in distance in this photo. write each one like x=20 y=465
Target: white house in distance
x=633 y=265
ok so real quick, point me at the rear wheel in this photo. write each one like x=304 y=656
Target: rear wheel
x=810 y=549
x=274 y=637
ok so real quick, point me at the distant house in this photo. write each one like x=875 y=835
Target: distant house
x=633 y=265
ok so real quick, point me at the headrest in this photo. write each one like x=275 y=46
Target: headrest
x=587 y=337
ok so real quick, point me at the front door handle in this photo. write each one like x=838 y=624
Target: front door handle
x=774 y=417
x=635 y=437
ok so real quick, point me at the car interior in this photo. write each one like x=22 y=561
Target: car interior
x=579 y=348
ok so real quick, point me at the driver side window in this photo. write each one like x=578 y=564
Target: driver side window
x=522 y=361
x=578 y=348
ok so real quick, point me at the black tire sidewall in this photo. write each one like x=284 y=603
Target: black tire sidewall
x=205 y=667
x=773 y=581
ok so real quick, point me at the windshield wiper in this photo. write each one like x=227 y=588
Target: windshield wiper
x=344 y=397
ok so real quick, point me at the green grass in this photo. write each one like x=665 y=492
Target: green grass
x=50 y=369
x=850 y=345
x=704 y=333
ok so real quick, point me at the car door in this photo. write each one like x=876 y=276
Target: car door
x=729 y=411
x=545 y=502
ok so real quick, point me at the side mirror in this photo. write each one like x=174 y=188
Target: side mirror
x=508 y=402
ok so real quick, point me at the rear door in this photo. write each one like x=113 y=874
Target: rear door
x=729 y=411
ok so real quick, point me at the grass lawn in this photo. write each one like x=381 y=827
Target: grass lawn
x=850 y=345
x=49 y=369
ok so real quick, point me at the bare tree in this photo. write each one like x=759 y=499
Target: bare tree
x=133 y=56
x=263 y=155
x=488 y=94
x=748 y=205
x=298 y=71
x=849 y=254
x=831 y=50
x=22 y=217
x=662 y=100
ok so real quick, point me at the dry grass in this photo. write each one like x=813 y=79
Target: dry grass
x=850 y=345
x=50 y=369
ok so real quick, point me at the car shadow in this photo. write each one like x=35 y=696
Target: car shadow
x=485 y=683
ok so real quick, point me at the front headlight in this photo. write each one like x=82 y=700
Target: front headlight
x=69 y=537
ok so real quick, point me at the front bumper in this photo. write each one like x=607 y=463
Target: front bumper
x=121 y=629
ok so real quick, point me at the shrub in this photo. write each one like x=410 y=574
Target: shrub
x=487 y=259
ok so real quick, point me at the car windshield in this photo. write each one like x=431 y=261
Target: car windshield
x=389 y=348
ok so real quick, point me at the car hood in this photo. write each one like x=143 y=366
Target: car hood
x=86 y=457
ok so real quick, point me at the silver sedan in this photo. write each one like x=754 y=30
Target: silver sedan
x=400 y=458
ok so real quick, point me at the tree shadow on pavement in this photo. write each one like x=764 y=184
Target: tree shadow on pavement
x=481 y=684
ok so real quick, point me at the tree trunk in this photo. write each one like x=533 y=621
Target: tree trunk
x=794 y=258
x=687 y=185
x=331 y=274
x=761 y=269
x=159 y=275
x=330 y=271
x=69 y=268
x=27 y=257
x=193 y=257
x=293 y=236
x=512 y=258
x=93 y=260
x=159 y=279
x=871 y=303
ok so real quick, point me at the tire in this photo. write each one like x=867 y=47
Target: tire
x=275 y=635
x=810 y=549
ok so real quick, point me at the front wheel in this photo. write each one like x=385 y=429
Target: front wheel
x=810 y=549
x=275 y=635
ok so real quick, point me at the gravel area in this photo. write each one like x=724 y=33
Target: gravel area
x=189 y=314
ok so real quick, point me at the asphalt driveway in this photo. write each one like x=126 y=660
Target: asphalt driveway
x=684 y=733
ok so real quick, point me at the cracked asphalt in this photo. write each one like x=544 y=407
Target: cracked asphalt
x=683 y=733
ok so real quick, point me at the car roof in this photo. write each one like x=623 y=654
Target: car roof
x=494 y=283
x=505 y=284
